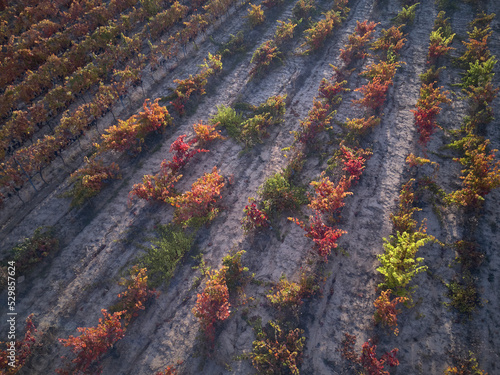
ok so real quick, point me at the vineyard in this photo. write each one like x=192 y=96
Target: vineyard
x=249 y=187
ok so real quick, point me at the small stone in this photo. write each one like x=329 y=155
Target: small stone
x=20 y=279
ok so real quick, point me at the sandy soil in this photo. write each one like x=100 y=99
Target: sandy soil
x=99 y=241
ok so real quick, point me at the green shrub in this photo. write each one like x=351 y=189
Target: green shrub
x=235 y=44
x=479 y=73
x=234 y=269
x=254 y=130
x=286 y=296
x=229 y=119
x=464 y=295
x=255 y=15
x=275 y=106
x=441 y=22
x=303 y=9
x=399 y=264
x=34 y=249
x=166 y=251
x=431 y=75
x=263 y=56
x=483 y=21
x=406 y=15
x=278 y=194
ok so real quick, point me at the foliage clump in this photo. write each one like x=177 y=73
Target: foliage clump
x=466 y=366
x=198 y=206
x=212 y=305
x=254 y=217
x=398 y=262
x=228 y=118
x=34 y=249
x=279 y=195
x=286 y=296
x=89 y=180
x=93 y=342
x=255 y=15
x=386 y=312
x=136 y=295
x=406 y=15
x=234 y=269
x=165 y=253
x=278 y=350
x=464 y=295
x=372 y=364
x=480 y=176
x=318 y=32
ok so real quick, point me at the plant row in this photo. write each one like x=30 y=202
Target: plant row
x=81 y=70
x=13 y=175
x=49 y=38
x=22 y=124
x=129 y=135
x=278 y=346
x=93 y=342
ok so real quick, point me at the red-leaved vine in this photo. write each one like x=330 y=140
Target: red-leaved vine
x=324 y=237
x=354 y=161
x=372 y=364
x=212 y=305
x=427 y=110
x=12 y=361
x=254 y=218
x=93 y=342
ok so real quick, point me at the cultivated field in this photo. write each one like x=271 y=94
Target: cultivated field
x=288 y=186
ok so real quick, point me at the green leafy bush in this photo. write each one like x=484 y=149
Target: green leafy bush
x=431 y=75
x=34 y=249
x=235 y=44
x=317 y=34
x=263 y=56
x=234 y=269
x=464 y=295
x=255 y=128
x=274 y=106
x=255 y=15
x=166 y=251
x=443 y=23
x=303 y=9
x=229 y=119
x=406 y=15
x=479 y=73
x=399 y=264
x=278 y=194
x=286 y=296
